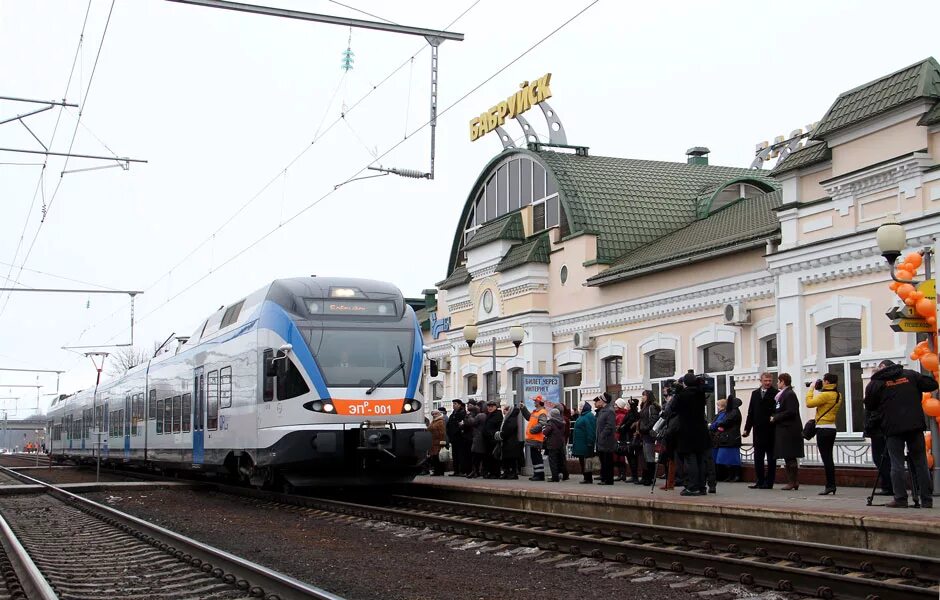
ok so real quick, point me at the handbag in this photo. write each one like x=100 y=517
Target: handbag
x=809 y=429
x=444 y=455
x=622 y=448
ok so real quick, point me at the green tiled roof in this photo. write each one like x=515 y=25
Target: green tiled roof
x=533 y=250
x=920 y=80
x=508 y=227
x=724 y=231
x=932 y=116
x=629 y=203
x=811 y=154
x=459 y=276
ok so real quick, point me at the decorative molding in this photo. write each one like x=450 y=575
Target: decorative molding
x=459 y=306
x=816 y=224
x=526 y=288
x=680 y=301
x=904 y=173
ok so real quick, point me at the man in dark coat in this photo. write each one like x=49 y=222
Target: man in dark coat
x=457 y=439
x=606 y=440
x=693 y=439
x=788 y=430
x=896 y=393
x=758 y=419
x=491 y=426
x=511 y=442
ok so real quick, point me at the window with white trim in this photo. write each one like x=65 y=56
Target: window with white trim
x=515 y=380
x=768 y=354
x=718 y=362
x=492 y=386
x=843 y=344
x=437 y=391
x=613 y=372
x=660 y=366
x=571 y=384
x=470 y=385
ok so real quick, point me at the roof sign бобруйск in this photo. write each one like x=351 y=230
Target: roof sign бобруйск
x=527 y=97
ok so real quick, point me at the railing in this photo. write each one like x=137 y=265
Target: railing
x=846 y=453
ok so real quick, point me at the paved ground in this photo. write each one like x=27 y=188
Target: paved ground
x=847 y=502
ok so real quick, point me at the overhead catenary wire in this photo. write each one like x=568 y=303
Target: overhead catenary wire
x=362 y=169
x=55 y=128
x=317 y=137
x=83 y=102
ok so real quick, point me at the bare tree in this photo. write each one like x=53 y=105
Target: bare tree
x=127 y=358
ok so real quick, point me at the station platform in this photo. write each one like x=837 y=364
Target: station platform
x=843 y=519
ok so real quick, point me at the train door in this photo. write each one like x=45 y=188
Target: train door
x=127 y=427
x=199 y=416
x=106 y=429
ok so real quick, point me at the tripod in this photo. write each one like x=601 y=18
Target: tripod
x=915 y=488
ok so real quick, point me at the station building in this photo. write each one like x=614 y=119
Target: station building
x=626 y=272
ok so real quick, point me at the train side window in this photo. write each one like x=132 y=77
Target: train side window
x=152 y=410
x=269 y=370
x=231 y=314
x=159 y=415
x=212 y=400
x=187 y=411
x=177 y=413
x=290 y=383
x=225 y=387
x=168 y=416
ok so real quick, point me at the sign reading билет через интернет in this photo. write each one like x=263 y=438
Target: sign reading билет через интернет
x=548 y=387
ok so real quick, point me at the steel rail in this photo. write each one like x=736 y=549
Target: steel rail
x=923 y=568
x=260 y=581
x=784 y=576
x=29 y=575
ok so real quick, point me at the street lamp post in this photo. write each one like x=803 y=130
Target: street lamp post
x=516 y=333
x=892 y=239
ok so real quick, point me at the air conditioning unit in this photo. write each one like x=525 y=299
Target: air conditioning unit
x=583 y=340
x=735 y=314
x=443 y=363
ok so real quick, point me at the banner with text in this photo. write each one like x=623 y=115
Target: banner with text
x=546 y=387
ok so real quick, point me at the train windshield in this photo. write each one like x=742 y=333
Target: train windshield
x=361 y=357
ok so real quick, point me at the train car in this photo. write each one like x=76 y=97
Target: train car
x=306 y=382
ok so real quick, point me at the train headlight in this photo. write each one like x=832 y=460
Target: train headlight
x=317 y=406
x=407 y=407
x=328 y=408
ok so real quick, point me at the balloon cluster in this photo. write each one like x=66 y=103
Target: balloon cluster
x=926 y=308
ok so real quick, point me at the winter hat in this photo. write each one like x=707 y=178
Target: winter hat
x=586 y=407
x=554 y=414
x=689 y=379
x=457 y=401
x=620 y=403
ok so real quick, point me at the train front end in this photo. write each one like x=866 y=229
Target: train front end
x=341 y=364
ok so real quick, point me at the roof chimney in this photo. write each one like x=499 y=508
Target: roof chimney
x=697 y=155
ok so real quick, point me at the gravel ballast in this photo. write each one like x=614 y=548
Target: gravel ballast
x=369 y=560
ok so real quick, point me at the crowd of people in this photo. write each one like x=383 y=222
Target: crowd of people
x=628 y=439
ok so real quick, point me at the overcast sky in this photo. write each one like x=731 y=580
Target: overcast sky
x=219 y=103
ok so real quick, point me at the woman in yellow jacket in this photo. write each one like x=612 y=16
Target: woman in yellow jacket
x=827 y=401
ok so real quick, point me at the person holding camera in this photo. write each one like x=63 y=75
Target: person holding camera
x=896 y=393
x=788 y=430
x=825 y=398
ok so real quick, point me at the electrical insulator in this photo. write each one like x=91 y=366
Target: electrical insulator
x=409 y=173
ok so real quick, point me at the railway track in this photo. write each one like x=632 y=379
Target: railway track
x=71 y=547
x=816 y=570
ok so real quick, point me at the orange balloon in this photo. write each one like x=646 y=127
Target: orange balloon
x=926 y=308
x=904 y=274
x=893 y=285
x=930 y=362
x=932 y=407
x=923 y=344
x=915 y=259
x=929 y=458
x=904 y=290
x=932 y=321
x=910 y=300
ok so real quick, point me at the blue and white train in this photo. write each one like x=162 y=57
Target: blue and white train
x=308 y=381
